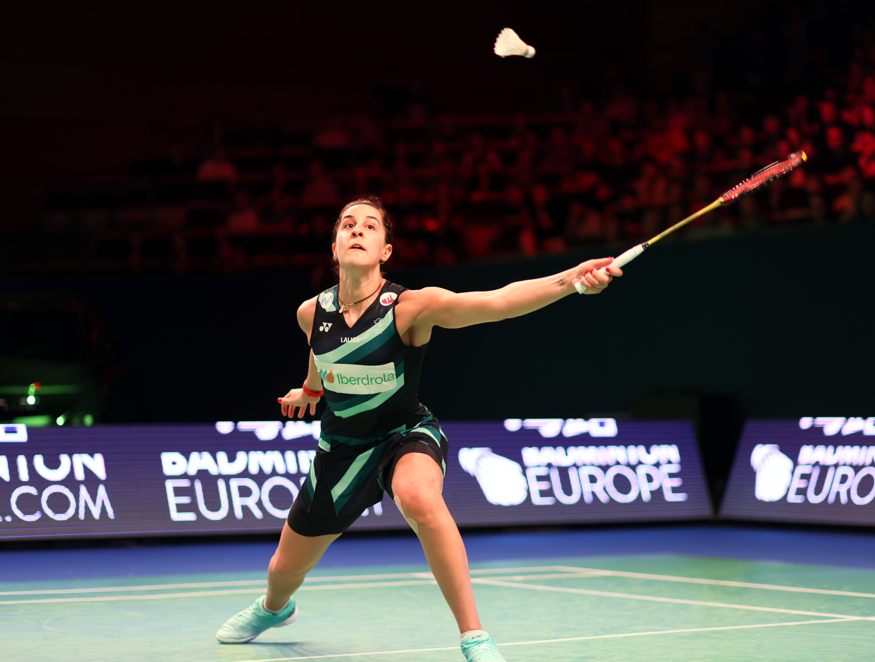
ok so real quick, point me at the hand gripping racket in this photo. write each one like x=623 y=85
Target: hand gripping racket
x=749 y=185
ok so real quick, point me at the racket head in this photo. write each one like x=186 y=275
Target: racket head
x=763 y=176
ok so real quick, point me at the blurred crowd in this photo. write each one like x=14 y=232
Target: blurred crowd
x=478 y=187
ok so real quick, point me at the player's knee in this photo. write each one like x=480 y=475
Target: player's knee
x=418 y=504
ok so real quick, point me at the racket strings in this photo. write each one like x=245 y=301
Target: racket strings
x=763 y=176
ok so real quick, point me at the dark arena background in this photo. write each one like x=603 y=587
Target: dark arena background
x=682 y=467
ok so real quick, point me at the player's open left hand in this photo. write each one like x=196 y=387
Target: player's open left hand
x=596 y=275
x=296 y=402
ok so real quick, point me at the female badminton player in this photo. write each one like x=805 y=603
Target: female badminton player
x=368 y=338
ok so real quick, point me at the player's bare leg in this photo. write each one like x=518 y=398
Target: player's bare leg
x=416 y=484
x=295 y=556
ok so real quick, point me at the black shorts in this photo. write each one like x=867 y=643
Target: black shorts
x=346 y=478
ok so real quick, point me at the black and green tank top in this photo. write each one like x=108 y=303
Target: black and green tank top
x=370 y=377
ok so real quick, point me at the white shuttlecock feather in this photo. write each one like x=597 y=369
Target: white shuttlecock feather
x=508 y=42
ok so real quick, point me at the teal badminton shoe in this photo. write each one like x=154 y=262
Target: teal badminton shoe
x=481 y=648
x=255 y=619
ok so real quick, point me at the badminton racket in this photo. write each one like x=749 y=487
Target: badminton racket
x=760 y=178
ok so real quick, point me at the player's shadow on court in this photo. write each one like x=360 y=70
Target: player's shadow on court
x=274 y=649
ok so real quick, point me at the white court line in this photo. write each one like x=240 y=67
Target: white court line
x=139 y=587
x=422 y=578
x=197 y=594
x=430 y=581
x=582 y=572
x=718 y=582
x=656 y=598
x=593 y=637
x=426 y=580
x=218 y=584
x=316 y=579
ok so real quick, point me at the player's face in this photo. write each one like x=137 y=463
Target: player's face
x=361 y=237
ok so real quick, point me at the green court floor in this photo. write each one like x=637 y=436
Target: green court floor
x=593 y=608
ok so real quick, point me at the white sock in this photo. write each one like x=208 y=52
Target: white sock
x=271 y=611
x=474 y=635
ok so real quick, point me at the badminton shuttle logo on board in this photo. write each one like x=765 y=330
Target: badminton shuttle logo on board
x=821 y=473
x=501 y=479
x=575 y=475
x=774 y=472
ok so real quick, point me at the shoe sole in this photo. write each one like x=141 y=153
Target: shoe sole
x=288 y=621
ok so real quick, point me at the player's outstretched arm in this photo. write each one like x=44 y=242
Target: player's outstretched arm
x=451 y=310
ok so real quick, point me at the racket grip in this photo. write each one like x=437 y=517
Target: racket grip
x=621 y=260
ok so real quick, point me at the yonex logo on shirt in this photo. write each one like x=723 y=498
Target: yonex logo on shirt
x=325 y=326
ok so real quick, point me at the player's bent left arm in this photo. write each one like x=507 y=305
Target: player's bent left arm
x=451 y=310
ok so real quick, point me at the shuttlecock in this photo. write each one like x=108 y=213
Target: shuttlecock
x=508 y=42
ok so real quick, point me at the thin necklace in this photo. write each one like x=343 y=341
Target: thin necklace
x=344 y=307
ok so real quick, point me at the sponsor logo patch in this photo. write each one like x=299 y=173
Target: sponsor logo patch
x=357 y=379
